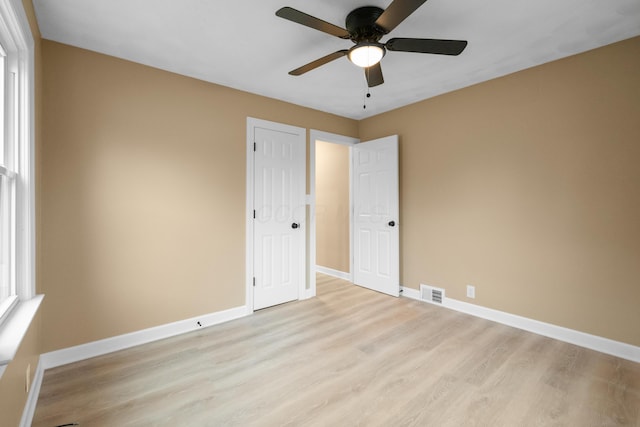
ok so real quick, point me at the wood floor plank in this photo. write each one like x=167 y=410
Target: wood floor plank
x=349 y=357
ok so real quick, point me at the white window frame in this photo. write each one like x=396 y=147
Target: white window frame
x=17 y=40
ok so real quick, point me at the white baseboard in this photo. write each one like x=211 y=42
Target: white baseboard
x=334 y=273
x=582 y=339
x=32 y=398
x=410 y=293
x=121 y=342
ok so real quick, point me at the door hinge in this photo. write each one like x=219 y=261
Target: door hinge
x=255 y=146
x=254 y=214
x=254 y=282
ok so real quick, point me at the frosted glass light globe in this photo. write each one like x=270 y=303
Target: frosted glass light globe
x=366 y=54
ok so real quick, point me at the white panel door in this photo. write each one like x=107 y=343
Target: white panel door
x=279 y=204
x=376 y=212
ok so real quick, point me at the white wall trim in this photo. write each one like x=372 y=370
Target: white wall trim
x=15 y=327
x=582 y=339
x=410 y=293
x=334 y=273
x=251 y=124
x=351 y=214
x=310 y=262
x=334 y=138
x=98 y=348
x=32 y=398
x=308 y=293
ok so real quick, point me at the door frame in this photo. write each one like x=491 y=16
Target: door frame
x=317 y=135
x=252 y=124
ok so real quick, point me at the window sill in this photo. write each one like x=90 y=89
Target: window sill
x=15 y=327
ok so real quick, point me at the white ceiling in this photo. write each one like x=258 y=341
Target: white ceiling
x=242 y=44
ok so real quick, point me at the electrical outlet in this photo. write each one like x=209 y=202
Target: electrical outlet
x=27 y=381
x=471 y=291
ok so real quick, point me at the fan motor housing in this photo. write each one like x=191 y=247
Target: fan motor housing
x=361 y=24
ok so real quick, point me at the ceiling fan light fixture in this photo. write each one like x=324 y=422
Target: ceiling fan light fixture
x=366 y=54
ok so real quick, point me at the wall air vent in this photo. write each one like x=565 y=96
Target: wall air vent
x=431 y=294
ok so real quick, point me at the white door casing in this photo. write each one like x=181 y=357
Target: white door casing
x=376 y=215
x=278 y=214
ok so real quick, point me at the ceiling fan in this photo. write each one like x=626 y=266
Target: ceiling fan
x=365 y=27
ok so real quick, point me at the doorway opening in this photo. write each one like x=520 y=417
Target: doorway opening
x=330 y=233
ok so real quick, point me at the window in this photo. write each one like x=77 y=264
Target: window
x=8 y=294
x=17 y=239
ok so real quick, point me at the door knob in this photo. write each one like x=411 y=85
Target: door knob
x=392 y=223
x=295 y=225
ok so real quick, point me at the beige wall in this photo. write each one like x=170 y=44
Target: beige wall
x=143 y=194
x=527 y=187
x=13 y=395
x=332 y=206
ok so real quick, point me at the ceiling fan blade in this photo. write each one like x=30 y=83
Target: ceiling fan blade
x=397 y=12
x=318 y=62
x=374 y=75
x=439 y=47
x=312 y=22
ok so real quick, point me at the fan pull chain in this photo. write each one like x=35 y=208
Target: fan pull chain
x=368 y=95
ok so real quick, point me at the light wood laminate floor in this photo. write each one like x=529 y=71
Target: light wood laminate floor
x=349 y=357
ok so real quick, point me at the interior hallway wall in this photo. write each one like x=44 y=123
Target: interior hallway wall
x=332 y=206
